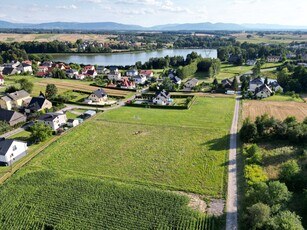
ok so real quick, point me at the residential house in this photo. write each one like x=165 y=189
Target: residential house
x=273 y=59
x=255 y=83
x=175 y=79
x=89 y=113
x=275 y=86
x=12 y=117
x=72 y=122
x=12 y=64
x=98 y=96
x=1 y=79
x=42 y=71
x=91 y=73
x=87 y=68
x=10 y=71
x=38 y=104
x=139 y=79
x=114 y=75
x=25 y=68
x=162 y=98
x=80 y=77
x=132 y=72
x=48 y=64
x=14 y=100
x=101 y=69
x=53 y=120
x=251 y=62
x=11 y=151
x=71 y=73
x=190 y=84
x=127 y=84
x=227 y=83
x=146 y=73
x=263 y=91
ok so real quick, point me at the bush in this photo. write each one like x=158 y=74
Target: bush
x=248 y=132
x=254 y=173
x=258 y=215
x=289 y=170
x=40 y=132
x=285 y=220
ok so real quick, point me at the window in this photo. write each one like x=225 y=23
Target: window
x=14 y=147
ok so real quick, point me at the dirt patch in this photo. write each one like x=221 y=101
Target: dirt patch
x=216 y=207
x=196 y=201
x=280 y=110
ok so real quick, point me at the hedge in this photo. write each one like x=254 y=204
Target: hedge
x=115 y=96
x=115 y=88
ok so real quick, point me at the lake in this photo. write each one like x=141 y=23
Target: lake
x=122 y=59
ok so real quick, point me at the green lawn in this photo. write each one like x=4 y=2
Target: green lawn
x=283 y=98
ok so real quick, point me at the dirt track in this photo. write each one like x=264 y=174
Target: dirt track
x=280 y=110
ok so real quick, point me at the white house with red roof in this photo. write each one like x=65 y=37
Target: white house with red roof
x=91 y=73
x=87 y=68
x=42 y=71
x=127 y=84
x=146 y=73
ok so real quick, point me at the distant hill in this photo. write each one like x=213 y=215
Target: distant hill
x=206 y=26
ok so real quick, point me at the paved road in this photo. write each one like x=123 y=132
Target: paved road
x=232 y=195
x=15 y=131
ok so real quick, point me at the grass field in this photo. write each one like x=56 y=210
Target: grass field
x=7 y=37
x=270 y=38
x=178 y=150
x=278 y=109
x=63 y=85
x=116 y=170
x=283 y=98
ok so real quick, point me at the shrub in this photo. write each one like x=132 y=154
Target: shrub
x=254 y=173
x=258 y=215
x=248 y=132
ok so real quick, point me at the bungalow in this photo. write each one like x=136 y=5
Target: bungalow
x=38 y=104
x=255 y=83
x=101 y=69
x=263 y=91
x=72 y=122
x=1 y=79
x=132 y=73
x=89 y=113
x=11 y=151
x=273 y=59
x=12 y=117
x=190 y=84
x=139 y=79
x=162 y=98
x=53 y=120
x=14 y=100
x=146 y=73
x=251 y=62
x=98 y=96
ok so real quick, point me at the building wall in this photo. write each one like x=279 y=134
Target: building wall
x=17 y=152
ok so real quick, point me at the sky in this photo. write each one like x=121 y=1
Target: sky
x=156 y=12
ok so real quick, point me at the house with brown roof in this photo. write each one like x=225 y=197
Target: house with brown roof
x=12 y=117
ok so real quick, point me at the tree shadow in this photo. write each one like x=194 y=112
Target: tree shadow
x=219 y=144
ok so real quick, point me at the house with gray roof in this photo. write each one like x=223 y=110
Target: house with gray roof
x=255 y=83
x=38 y=104
x=98 y=96
x=53 y=120
x=12 y=117
x=263 y=91
x=11 y=151
x=132 y=72
x=162 y=98
x=14 y=100
x=190 y=84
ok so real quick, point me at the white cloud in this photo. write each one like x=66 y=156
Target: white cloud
x=91 y=1
x=70 y=7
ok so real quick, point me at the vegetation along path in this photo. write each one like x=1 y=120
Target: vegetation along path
x=232 y=199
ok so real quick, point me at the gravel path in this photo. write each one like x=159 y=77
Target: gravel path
x=232 y=196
